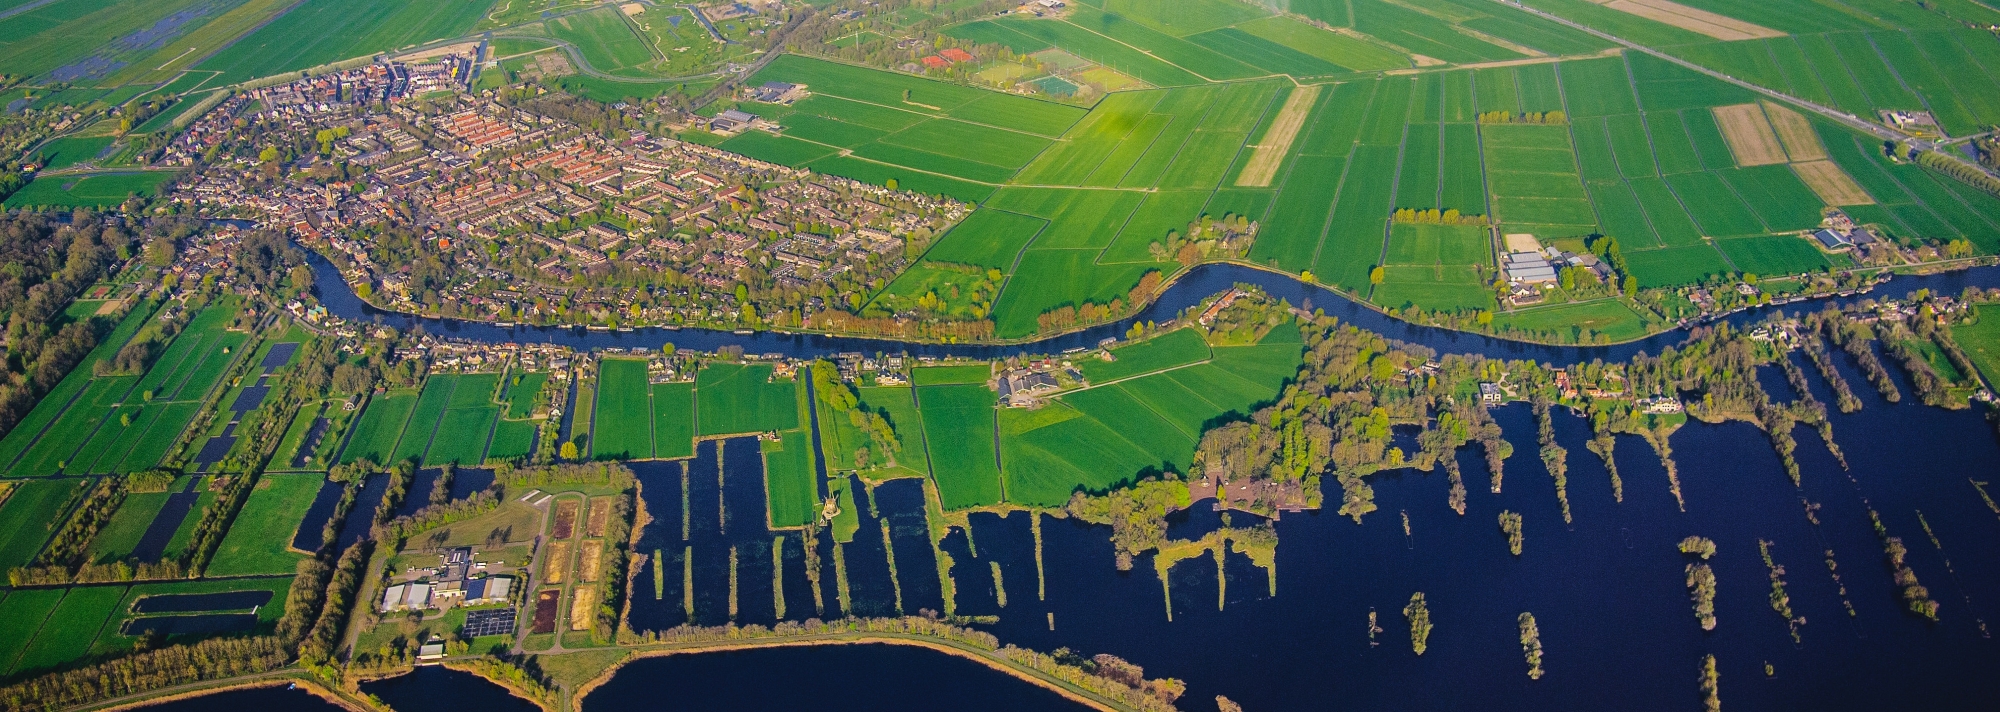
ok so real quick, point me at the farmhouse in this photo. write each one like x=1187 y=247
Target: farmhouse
x=1528 y=268
x=732 y=122
x=778 y=93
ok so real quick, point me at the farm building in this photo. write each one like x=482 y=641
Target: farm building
x=732 y=122
x=1528 y=268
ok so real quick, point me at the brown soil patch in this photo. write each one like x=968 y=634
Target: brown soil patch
x=1721 y=27
x=1832 y=184
x=110 y=307
x=565 y=519
x=600 y=514
x=593 y=558
x=582 y=606
x=1277 y=142
x=545 y=611
x=1801 y=142
x=555 y=564
x=1749 y=135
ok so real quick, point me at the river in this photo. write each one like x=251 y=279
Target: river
x=1608 y=590
x=1188 y=290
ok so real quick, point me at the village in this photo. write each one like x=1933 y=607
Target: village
x=537 y=219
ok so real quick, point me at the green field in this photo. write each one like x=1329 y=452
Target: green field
x=33 y=510
x=1981 y=341
x=624 y=412
x=374 y=437
x=95 y=190
x=70 y=628
x=65 y=152
x=259 y=540
x=21 y=614
x=422 y=427
x=1100 y=437
x=322 y=31
x=1612 y=318
x=605 y=39
x=462 y=436
x=958 y=424
x=1174 y=348
x=673 y=420
x=789 y=480
x=742 y=398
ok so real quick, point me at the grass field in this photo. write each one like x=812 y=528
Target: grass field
x=69 y=630
x=65 y=152
x=21 y=614
x=958 y=424
x=1174 y=348
x=1611 y=318
x=789 y=480
x=94 y=190
x=673 y=420
x=58 y=398
x=1097 y=438
x=1981 y=341
x=624 y=428
x=462 y=436
x=605 y=40
x=33 y=511
x=374 y=437
x=259 y=539
x=740 y=398
x=322 y=31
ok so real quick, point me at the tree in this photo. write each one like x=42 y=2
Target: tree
x=568 y=450
x=1376 y=275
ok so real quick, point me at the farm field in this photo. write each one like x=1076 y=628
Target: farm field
x=789 y=480
x=70 y=628
x=322 y=31
x=958 y=425
x=1981 y=341
x=36 y=506
x=90 y=190
x=1096 y=438
x=673 y=420
x=737 y=398
x=381 y=425
x=1611 y=318
x=604 y=39
x=258 y=541
x=624 y=412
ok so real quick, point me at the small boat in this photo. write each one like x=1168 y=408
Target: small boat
x=596 y=327
x=672 y=327
x=625 y=329
x=744 y=332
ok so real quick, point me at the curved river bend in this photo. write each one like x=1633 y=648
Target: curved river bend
x=1198 y=284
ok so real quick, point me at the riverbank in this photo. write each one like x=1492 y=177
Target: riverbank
x=287 y=678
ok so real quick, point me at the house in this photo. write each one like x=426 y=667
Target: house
x=431 y=651
x=956 y=55
x=936 y=62
x=1489 y=394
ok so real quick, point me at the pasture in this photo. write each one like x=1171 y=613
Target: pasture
x=624 y=412
x=91 y=190
x=958 y=424
x=35 y=507
x=259 y=539
x=321 y=31
x=673 y=420
x=789 y=480
x=605 y=39
x=1981 y=340
x=381 y=426
x=742 y=398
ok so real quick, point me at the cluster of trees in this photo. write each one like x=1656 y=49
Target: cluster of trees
x=46 y=266
x=1523 y=117
x=1531 y=644
x=1915 y=596
x=1554 y=458
x=842 y=398
x=1434 y=216
x=1419 y=614
x=316 y=649
x=1510 y=524
x=1964 y=172
x=1137 y=514
x=1606 y=249
x=1781 y=602
x=590 y=474
x=1230 y=236
x=150 y=670
x=1701 y=579
x=611 y=583
x=1070 y=316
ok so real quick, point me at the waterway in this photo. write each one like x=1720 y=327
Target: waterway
x=1188 y=290
x=1608 y=589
